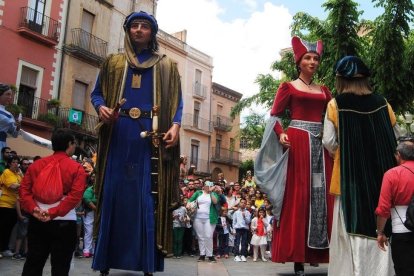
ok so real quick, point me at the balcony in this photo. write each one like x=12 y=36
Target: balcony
x=87 y=47
x=196 y=124
x=38 y=26
x=199 y=91
x=225 y=156
x=38 y=109
x=222 y=123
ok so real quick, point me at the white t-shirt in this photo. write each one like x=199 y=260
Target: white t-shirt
x=204 y=203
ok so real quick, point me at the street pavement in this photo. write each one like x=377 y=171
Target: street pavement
x=186 y=266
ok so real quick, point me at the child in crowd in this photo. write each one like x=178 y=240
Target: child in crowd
x=250 y=207
x=80 y=212
x=259 y=239
x=188 y=244
x=179 y=224
x=89 y=201
x=259 y=200
x=223 y=230
x=241 y=220
x=21 y=233
x=269 y=218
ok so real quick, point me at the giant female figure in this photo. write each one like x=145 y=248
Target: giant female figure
x=294 y=169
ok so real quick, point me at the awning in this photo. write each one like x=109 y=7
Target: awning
x=30 y=146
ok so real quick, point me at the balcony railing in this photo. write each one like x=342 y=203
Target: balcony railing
x=192 y=122
x=225 y=156
x=38 y=109
x=199 y=91
x=222 y=123
x=37 y=24
x=86 y=45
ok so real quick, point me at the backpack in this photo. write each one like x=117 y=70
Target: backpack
x=409 y=216
x=48 y=187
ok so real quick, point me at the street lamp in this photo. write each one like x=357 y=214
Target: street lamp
x=407 y=126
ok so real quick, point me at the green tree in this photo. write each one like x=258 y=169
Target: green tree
x=253 y=129
x=339 y=34
x=391 y=47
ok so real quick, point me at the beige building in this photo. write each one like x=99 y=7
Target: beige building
x=196 y=70
x=225 y=154
x=94 y=30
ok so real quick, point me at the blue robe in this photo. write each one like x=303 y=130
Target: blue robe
x=127 y=233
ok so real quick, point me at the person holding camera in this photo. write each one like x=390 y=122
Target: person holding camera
x=205 y=219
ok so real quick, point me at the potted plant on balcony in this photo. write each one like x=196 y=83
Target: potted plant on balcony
x=52 y=103
x=51 y=119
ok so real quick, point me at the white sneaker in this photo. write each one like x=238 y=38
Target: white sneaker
x=7 y=253
x=243 y=258
x=264 y=259
x=237 y=259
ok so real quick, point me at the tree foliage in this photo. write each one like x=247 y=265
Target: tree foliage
x=253 y=130
x=390 y=73
x=385 y=44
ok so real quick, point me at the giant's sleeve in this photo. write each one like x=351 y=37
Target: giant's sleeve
x=97 y=98
x=330 y=139
x=8 y=124
x=179 y=110
x=179 y=113
x=280 y=104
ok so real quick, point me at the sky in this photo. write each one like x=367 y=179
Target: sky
x=244 y=37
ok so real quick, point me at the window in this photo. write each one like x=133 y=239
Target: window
x=218 y=145
x=79 y=95
x=87 y=24
x=219 y=113
x=232 y=144
x=196 y=116
x=87 y=21
x=197 y=81
x=195 y=145
x=36 y=14
x=244 y=144
x=27 y=90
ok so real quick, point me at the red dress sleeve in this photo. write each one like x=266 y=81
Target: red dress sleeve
x=327 y=93
x=281 y=102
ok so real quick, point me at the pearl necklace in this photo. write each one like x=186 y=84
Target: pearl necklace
x=307 y=84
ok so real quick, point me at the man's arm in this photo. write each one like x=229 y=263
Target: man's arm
x=381 y=238
x=25 y=192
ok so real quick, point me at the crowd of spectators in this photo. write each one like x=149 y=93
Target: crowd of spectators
x=240 y=220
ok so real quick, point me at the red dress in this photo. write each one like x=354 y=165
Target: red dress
x=290 y=234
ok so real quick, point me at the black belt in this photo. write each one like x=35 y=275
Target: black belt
x=135 y=113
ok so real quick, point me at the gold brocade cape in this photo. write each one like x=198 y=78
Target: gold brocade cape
x=167 y=85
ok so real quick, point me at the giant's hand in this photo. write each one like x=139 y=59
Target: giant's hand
x=107 y=115
x=284 y=140
x=171 y=136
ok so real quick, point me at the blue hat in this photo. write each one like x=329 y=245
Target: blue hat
x=141 y=15
x=351 y=67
